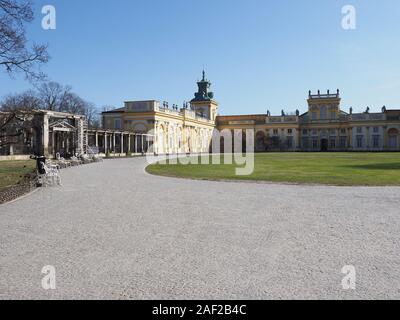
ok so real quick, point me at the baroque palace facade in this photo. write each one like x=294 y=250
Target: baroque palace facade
x=324 y=127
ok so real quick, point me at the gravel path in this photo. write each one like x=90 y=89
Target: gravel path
x=112 y=231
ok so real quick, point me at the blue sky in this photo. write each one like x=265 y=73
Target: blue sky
x=259 y=54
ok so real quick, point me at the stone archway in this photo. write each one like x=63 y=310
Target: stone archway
x=171 y=140
x=196 y=140
x=180 y=140
x=161 y=139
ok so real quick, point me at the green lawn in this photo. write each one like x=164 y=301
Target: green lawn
x=343 y=169
x=13 y=172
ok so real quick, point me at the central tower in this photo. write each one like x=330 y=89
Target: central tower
x=203 y=103
x=324 y=106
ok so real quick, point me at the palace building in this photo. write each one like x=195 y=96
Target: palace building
x=324 y=127
x=177 y=130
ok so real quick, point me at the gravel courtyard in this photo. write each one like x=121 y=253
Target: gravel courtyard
x=114 y=232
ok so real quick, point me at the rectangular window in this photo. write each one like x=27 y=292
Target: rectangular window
x=376 y=141
x=305 y=131
x=314 y=115
x=323 y=112
x=276 y=132
x=359 y=130
x=315 y=143
x=333 y=143
x=343 y=131
x=290 y=142
x=333 y=115
x=392 y=141
x=376 y=129
x=315 y=132
x=305 y=143
x=117 y=123
x=343 y=142
x=290 y=131
x=359 y=141
x=332 y=132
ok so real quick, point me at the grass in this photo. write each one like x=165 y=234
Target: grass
x=341 y=169
x=14 y=172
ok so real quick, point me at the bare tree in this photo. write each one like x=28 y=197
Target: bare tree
x=15 y=56
x=92 y=115
x=72 y=103
x=24 y=101
x=12 y=125
x=107 y=108
x=53 y=95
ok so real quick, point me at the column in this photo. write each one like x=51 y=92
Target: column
x=155 y=142
x=350 y=138
x=73 y=144
x=67 y=142
x=105 y=142
x=113 y=142
x=337 y=138
x=80 y=142
x=54 y=143
x=135 y=141
x=45 y=135
x=97 y=139
x=122 y=143
x=129 y=143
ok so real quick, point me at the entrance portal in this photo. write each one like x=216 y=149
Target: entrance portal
x=324 y=145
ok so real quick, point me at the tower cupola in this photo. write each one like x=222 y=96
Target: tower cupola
x=203 y=103
x=203 y=93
